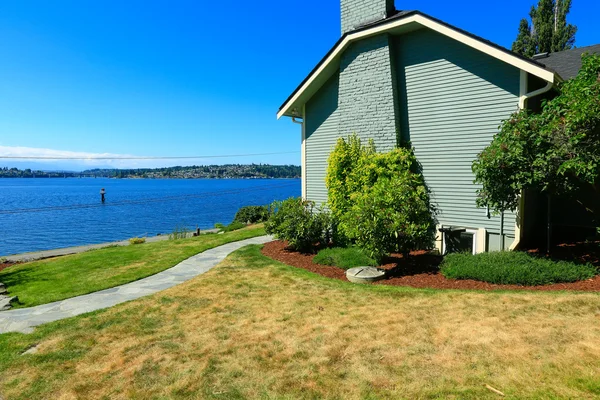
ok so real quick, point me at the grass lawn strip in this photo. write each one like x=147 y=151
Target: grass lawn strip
x=55 y=279
x=255 y=328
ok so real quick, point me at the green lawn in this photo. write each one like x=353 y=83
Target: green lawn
x=45 y=281
x=253 y=328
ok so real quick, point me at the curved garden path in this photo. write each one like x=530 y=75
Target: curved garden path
x=25 y=319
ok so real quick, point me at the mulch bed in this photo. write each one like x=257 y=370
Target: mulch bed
x=420 y=270
x=4 y=265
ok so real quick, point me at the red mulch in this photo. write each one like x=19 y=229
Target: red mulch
x=420 y=270
x=6 y=265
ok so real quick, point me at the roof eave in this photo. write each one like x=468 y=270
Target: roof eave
x=396 y=24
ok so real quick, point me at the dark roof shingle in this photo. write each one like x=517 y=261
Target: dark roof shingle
x=567 y=63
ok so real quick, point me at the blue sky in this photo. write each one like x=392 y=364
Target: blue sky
x=176 y=78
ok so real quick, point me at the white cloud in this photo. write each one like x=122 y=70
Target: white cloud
x=83 y=159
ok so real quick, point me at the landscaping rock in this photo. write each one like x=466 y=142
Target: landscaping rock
x=2 y=289
x=31 y=350
x=6 y=302
x=365 y=274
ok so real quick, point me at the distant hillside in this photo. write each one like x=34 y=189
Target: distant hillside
x=193 y=172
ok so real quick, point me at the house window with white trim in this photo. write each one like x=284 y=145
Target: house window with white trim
x=462 y=241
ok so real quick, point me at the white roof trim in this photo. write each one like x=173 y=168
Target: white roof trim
x=515 y=61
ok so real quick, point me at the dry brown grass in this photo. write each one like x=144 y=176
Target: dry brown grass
x=253 y=328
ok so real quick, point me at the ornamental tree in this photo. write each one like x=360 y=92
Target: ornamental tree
x=556 y=151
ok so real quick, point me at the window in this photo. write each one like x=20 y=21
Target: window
x=460 y=242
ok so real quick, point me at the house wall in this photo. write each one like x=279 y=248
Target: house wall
x=452 y=100
x=366 y=92
x=321 y=132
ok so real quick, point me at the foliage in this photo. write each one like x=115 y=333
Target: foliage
x=378 y=200
x=344 y=257
x=524 y=44
x=234 y=226
x=548 y=32
x=556 y=151
x=344 y=164
x=394 y=215
x=252 y=214
x=137 y=240
x=513 y=268
x=300 y=223
x=180 y=232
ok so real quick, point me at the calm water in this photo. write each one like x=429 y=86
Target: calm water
x=133 y=208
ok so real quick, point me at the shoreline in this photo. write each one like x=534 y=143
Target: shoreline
x=43 y=254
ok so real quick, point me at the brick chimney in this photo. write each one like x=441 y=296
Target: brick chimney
x=356 y=13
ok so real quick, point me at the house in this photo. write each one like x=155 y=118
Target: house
x=397 y=76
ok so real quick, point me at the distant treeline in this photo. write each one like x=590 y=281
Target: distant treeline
x=28 y=173
x=193 y=172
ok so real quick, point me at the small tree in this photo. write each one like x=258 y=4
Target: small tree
x=556 y=151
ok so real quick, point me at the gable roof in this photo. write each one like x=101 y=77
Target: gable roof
x=402 y=21
x=567 y=63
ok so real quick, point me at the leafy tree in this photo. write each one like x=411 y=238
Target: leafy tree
x=556 y=151
x=548 y=32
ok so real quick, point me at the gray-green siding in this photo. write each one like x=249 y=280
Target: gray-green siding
x=452 y=100
x=321 y=130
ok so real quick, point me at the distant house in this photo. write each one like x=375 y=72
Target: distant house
x=406 y=76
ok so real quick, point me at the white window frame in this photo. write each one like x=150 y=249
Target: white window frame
x=473 y=232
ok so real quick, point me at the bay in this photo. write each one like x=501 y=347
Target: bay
x=42 y=214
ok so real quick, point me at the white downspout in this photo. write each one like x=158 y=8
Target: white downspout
x=523 y=99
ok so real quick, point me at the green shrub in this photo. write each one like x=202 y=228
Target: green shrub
x=344 y=257
x=300 y=223
x=513 y=268
x=394 y=215
x=343 y=170
x=378 y=201
x=234 y=226
x=252 y=214
x=137 y=240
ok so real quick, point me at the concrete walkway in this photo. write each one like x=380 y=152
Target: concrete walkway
x=38 y=255
x=24 y=319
